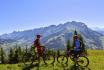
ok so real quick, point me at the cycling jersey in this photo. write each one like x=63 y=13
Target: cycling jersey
x=77 y=45
x=38 y=46
x=77 y=48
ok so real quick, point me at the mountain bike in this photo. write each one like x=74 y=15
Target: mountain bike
x=82 y=60
x=30 y=58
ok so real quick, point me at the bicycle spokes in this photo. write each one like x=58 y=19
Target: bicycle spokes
x=62 y=59
x=49 y=59
x=82 y=61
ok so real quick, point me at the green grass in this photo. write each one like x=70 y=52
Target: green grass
x=96 y=58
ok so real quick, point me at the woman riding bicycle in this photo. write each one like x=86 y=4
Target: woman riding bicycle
x=38 y=46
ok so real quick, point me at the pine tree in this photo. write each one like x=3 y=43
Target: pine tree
x=10 y=56
x=75 y=32
x=15 y=57
x=83 y=49
x=2 y=56
x=20 y=53
x=68 y=45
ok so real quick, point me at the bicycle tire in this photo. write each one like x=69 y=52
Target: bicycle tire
x=27 y=59
x=62 y=59
x=81 y=62
x=49 y=59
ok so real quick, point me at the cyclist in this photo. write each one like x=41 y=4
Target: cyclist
x=38 y=45
x=40 y=49
x=76 y=46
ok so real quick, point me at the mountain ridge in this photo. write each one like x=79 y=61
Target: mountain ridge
x=100 y=30
x=55 y=36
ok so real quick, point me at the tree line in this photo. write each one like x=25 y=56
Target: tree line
x=14 y=55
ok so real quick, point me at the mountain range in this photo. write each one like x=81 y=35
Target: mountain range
x=100 y=30
x=55 y=36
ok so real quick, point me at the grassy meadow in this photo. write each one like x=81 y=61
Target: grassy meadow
x=96 y=58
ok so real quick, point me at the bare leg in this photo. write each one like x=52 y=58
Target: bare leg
x=44 y=58
x=38 y=58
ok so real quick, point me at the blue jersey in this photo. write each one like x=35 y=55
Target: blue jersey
x=77 y=45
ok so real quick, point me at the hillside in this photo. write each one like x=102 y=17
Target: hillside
x=56 y=36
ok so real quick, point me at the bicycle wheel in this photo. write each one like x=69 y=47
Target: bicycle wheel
x=82 y=61
x=49 y=59
x=62 y=59
x=72 y=57
x=27 y=58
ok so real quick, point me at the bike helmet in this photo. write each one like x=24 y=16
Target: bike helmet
x=76 y=37
x=38 y=36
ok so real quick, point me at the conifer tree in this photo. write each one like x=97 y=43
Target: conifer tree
x=20 y=53
x=2 y=55
x=82 y=44
x=10 y=56
x=15 y=57
x=68 y=45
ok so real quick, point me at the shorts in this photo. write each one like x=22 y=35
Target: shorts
x=76 y=52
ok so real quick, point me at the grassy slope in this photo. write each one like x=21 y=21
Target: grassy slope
x=96 y=58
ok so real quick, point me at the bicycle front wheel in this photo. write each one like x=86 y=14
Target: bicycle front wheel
x=49 y=59
x=82 y=61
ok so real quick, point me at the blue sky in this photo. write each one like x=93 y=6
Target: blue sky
x=29 y=14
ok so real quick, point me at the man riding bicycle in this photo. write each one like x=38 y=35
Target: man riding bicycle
x=76 y=45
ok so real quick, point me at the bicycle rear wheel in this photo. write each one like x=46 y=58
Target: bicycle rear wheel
x=27 y=58
x=62 y=59
x=82 y=61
